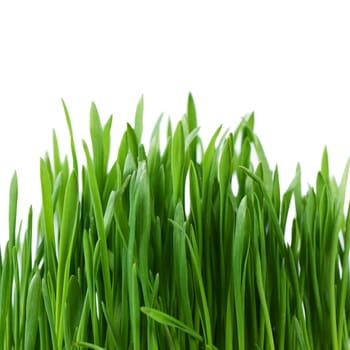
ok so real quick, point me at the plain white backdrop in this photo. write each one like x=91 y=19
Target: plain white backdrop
x=289 y=62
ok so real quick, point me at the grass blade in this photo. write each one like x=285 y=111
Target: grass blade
x=168 y=320
x=139 y=120
x=33 y=310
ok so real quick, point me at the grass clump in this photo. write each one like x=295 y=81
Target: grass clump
x=120 y=264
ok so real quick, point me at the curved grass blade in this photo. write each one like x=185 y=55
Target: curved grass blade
x=167 y=320
x=86 y=345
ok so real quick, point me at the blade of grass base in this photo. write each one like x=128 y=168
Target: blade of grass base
x=32 y=317
x=134 y=298
x=193 y=249
x=49 y=313
x=265 y=311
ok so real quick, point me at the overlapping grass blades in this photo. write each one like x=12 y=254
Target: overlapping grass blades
x=126 y=258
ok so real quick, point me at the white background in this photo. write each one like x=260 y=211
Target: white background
x=287 y=61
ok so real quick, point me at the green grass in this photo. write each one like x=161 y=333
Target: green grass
x=119 y=263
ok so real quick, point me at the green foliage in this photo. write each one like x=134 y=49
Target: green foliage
x=127 y=258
